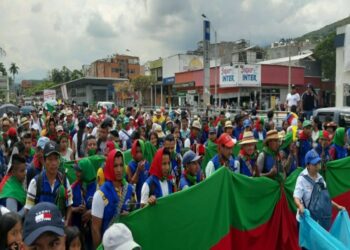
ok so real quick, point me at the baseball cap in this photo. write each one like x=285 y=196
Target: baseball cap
x=312 y=157
x=293 y=86
x=190 y=156
x=212 y=130
x=42 y=142
x=306 y=123
x=43 y=217
x=59 y=128
x=119 y=237
x=226 y=140
x=51 y=148
x=90 y=125
x=247 y=123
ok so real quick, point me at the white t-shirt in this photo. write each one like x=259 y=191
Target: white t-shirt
x=145 y=191
x=292 y=99
x=68 y=154
x=98 y=205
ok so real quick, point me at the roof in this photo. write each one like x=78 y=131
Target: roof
x=286 y=59
x=96 y=80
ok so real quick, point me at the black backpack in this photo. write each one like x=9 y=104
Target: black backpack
x=320 y=205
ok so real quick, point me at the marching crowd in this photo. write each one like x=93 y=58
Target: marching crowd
x=170 y=150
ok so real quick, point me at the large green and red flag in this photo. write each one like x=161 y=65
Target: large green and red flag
x=338 y=182
x=210 y=151
x=226 y=211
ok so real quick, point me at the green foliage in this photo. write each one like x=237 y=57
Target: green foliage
x=317 y=35
x=64 y=75
x=3 y=69
x=14 y=71
x=325 y=52
x=142 y=83
x=39 y=87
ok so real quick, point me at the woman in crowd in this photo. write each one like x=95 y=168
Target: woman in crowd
x=65 y=150
x=11 y=232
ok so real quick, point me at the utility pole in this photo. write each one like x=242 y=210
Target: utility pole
x=216 y=84
x=289 y=69
x=206 y=41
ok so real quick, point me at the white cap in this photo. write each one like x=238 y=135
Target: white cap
x=118 y=237
x=59 y=128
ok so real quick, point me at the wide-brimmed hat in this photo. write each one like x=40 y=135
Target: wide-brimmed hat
x=159 y=131
x=228 y=124
x=248 y=138
x=24 y=121
x=271 y=135
x=196 y=124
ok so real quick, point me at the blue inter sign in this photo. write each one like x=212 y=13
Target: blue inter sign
x=168 y=80
x=206 y=30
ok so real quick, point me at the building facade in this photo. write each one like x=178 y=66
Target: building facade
x=117 y=66
x=342 y=79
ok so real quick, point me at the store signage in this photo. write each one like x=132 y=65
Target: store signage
x=240 y=76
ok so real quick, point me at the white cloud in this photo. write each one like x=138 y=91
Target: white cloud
x=41 y=35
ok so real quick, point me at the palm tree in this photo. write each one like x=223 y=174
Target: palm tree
x=13 y=70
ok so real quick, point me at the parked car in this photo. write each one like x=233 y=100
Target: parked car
x=340 y=115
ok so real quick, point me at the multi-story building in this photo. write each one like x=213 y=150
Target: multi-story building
x=116 y=66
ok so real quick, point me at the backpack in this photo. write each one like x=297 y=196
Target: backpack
x=320 y=205
x=39 y=191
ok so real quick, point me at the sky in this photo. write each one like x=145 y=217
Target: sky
x=42 y=35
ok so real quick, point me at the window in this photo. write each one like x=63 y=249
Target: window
x=259 y=55
x=115 y=70
x=133 y=61
x=131 y=71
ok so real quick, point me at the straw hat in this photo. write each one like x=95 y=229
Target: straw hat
x=196 y=124
x=248 y=138
x=159 y=131
x=24 y=121
x=271 y=135
x=228 y=124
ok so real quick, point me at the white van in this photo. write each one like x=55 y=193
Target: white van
x=108 y=105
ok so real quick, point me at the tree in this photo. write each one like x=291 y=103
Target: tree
x=2 y=52
x=142 y=84
x=66 y=74
x=56 y=76
x=325 y=52
x=3 y=69
x=14 y=71
x=39 y=87
x=76 y=74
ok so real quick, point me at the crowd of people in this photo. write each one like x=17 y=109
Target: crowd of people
x=170 y=150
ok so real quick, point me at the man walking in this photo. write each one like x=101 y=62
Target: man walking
x=293 y=98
